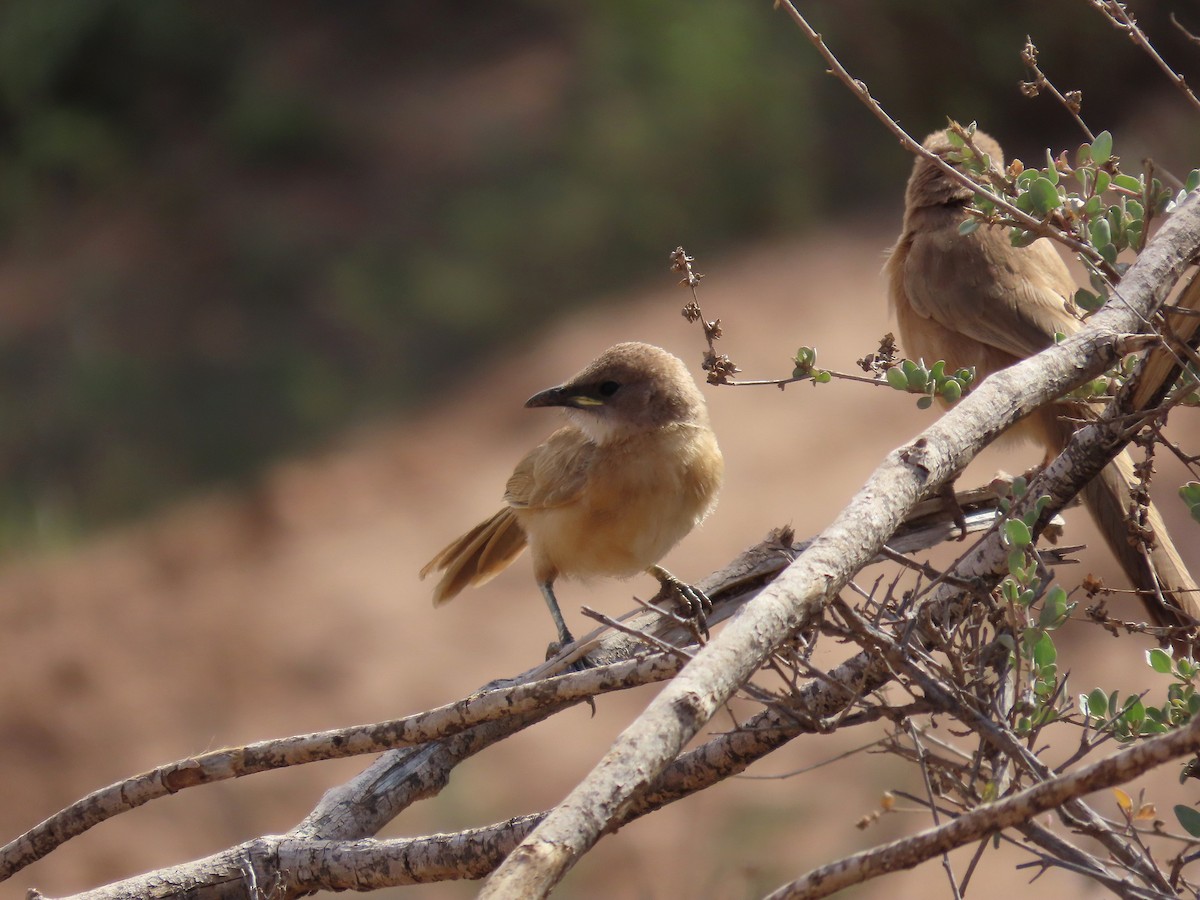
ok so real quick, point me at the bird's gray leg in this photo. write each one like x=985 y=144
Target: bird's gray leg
x=564 y=634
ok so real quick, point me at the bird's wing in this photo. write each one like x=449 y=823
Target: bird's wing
x=976 y=286
x=553 y=473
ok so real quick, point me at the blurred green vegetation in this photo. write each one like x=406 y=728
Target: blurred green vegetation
x=230 y=230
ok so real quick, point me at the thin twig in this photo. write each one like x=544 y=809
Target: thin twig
x=860 y=90
x=1123 y=20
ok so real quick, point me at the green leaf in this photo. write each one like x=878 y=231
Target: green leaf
x=1051 y=169
x=969 y=226
x=897 y=379
x=1190 y=493
x=1054 y=608
x=1008 y=587
x=1044 y=653
x=822 y=376
x=1103 y=180
x=1102 y=148
x=1159 y=659
x=1101 y=232
x=1044 y=196
x=1192 y=181
x=1128 y=182
x=951 y=391
x=1087 y=301
x=1134 y=712
x=1097 y=703
x=1017 y=533
x=1188 y=818
x=1019 y=237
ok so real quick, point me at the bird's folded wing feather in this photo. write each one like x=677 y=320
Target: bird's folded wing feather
x=553 y=473
x=1014 y=302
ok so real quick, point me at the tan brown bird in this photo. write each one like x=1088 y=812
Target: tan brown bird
x=976 y=300
x=608 y=494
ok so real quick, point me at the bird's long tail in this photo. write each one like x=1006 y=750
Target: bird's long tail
x=1154 y=566
x=478 y=556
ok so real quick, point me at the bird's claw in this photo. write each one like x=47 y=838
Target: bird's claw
x=694 y=604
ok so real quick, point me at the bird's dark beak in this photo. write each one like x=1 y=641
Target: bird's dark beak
x=563 y=395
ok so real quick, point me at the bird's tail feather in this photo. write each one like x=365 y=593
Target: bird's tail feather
x=478 y=556
x=1109 y=499
x=1154 y=566
x=1109 y=496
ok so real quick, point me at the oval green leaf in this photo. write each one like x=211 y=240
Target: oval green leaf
x=1159 y=660
x=1017 y=533
x=1044 y=196
x=1188 y=818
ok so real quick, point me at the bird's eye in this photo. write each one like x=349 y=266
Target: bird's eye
x=608 y=388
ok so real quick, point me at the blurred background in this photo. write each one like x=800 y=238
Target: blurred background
x=276 y=278
x=229 y=233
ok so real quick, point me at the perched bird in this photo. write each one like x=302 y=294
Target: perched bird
x=976 y=300
x=609 y=494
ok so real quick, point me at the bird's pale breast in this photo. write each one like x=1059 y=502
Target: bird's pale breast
x=643 y=495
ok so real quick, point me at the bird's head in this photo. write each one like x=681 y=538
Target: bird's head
x=929 y=185
x=629 y=388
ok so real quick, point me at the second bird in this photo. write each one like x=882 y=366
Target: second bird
x=975 y=299
x=610 y=493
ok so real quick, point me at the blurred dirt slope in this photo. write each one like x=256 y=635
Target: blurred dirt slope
x=297 y=607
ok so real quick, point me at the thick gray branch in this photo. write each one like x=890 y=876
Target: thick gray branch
x=649 y=745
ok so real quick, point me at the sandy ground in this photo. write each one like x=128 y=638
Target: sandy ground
x=296 y=607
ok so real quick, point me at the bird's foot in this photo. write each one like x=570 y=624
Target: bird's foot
x=694 y=604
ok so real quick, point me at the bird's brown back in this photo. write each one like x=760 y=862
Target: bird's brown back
x=975 y=300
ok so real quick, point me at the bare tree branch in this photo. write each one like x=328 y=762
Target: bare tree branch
x=1021 y=807
x=859 y=89
x=800 y=593
x=1123 y=20
x=263 y=756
